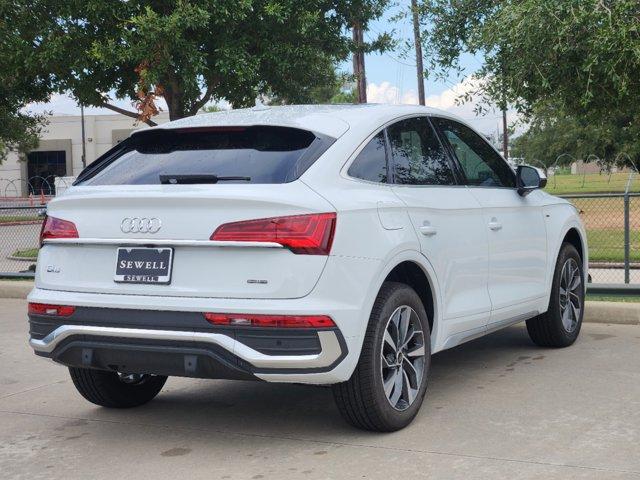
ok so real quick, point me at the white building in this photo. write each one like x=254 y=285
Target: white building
x=60 y=151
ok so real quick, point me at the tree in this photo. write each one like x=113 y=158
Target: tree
x=337 y=88
x=555 y=138
x=189 y=52
x=580 y=56
x=18 y=130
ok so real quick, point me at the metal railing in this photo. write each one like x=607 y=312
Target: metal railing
x=612 y=222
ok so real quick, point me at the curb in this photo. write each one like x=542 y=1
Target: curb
x=613 y=265
x=15 y=288
x=620 y=313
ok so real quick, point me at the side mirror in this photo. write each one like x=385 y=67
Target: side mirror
x=529 y=179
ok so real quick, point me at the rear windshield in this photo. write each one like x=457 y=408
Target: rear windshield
x=212 y=155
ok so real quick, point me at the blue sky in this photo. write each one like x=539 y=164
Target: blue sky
x=390 y=79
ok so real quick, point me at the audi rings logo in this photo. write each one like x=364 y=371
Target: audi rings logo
x=140 y=225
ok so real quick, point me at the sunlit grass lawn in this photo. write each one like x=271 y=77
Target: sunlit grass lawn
x=608 y=245
x=27 y=253
x=591 y=183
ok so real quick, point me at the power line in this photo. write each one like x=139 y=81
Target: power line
x=391 y=56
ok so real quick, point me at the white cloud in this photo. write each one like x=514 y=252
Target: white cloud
x=385 y=92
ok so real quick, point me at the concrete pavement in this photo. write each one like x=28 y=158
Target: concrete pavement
x=497 y=407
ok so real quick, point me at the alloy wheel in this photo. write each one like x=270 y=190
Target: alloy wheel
x=402 y=357
x=570 y=295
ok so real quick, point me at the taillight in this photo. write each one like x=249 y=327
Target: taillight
x=306 y=234
x=53 y=227
x=53 y=310
x=274 y=321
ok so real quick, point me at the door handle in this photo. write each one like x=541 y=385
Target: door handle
x=428 y=230
x=495 y=225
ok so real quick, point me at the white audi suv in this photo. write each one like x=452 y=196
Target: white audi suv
x=339 y=245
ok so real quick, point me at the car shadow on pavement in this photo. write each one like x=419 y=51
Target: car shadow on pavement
x=259 y=407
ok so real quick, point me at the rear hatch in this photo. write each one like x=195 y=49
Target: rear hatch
x=173 y=192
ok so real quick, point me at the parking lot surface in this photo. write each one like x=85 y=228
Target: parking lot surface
x=497 y=407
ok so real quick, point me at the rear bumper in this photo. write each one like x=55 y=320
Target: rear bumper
x=181 y=343
x=344 y=292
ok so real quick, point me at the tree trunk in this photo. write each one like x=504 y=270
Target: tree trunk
x=175 y=102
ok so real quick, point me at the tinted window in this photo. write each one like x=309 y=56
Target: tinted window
x=371 y=162
x=481 y=164
x=265 y=154
x=418 y=156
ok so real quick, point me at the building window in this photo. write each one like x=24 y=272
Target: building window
x=42 y=168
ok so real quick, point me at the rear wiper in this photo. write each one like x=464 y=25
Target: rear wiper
x=197 y=179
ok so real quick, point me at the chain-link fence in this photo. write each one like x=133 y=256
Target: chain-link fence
x=19 y=237
x=612 y=222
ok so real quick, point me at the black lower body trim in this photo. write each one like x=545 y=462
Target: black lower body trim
x=183 y=359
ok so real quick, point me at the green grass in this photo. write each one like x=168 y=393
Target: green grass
x=562 y=184
x=608 y=245
x=28 y=253
x=19 y=218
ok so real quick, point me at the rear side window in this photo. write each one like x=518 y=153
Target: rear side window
x=418 y=156
x=255 y=154
x=371 y=162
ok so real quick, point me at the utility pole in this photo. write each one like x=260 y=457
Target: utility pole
x=358 y=63
x=418 y=43
x=84 y=147
x=505 y=135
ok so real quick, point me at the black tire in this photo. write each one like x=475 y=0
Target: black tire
x=548 y=329
x=108 y=390
x=362 y=400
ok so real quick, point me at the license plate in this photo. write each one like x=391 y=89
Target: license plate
x=144 y=265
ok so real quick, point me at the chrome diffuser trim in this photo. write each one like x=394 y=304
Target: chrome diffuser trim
x=329 y=344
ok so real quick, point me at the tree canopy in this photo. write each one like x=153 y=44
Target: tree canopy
x=575 y=61
x=189 y=52
x=555 y=138
x=18 y=130
x=580 y=55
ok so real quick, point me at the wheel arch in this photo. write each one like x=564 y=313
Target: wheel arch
x=411 y=274
x=573 y=233
x=573 y=237
x=414 y=269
